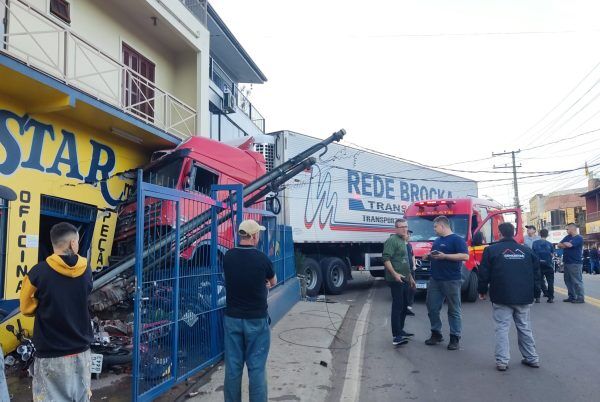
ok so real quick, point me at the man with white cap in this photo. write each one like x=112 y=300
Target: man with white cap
x=248 y=275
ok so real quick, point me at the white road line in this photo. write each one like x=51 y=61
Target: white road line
x=352 y=379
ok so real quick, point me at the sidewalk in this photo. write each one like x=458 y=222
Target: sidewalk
x=294 y=372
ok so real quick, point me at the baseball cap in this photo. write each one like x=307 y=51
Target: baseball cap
x=250 y=227
x=530 y=227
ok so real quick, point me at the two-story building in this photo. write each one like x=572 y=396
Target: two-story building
x=88 y=90
x=592 y=202
x=555 y=210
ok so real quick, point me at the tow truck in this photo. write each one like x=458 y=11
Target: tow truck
x=475 y=220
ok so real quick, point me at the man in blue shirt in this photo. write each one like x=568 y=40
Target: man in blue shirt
x=544 y=250
x=448 y=253
x=572 y=246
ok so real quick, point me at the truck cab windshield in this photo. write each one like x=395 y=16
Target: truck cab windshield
x=422 y=227
x=165 y=174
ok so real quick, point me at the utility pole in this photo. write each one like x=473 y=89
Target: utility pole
x=514 y=169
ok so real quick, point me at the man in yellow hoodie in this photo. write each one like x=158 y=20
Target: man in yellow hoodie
x=56 y=292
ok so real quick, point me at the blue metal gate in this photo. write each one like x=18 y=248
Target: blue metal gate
x=180 y=294
x=180 y=290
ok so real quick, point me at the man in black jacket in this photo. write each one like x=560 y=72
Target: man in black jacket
x=56 y=292
x=511 y=272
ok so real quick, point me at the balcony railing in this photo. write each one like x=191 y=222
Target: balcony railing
x=224 y=83
x=592 y=216
x=35 y=39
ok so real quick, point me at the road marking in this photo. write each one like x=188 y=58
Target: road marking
x=588 y=299
x=351 y=389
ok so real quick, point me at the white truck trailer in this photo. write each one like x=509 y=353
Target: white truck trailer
x=344 y=209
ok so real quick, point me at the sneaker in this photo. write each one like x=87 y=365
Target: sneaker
x=501 y=366
x=530 y=364
x=399 y=340
x=568 y=300
x=407 y=334
x=453 y=345
x=581 y=301
x=550 y=300
x=436 y=337
x=537 y=299
x=410 y=313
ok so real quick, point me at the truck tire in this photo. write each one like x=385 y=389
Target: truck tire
x=378 y=274
x=314 y=277
x=335 y=275
x=471 y=294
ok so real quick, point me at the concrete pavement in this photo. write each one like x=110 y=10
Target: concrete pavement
x=300 y=361
x=362 y=364
x=565 y=335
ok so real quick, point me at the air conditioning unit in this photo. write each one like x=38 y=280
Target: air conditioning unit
x=229 y=103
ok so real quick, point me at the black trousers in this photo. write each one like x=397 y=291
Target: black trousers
x=548 y=290
x=400 y=297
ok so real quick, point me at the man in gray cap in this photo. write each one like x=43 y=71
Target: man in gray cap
x=248 y=275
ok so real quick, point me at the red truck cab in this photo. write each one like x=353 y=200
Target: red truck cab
x=476 y=220
x=194 y=166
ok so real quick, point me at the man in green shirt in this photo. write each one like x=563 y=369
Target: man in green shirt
x=398 y=276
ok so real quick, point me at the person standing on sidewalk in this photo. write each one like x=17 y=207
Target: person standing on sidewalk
x=572 y=245
x=511 y=272
x=544 y=251
x=531 y=236
x=448 y=253
x=248 y=275
x=398 y=276
x=595 y=260
x=411 y=260
x=56 y=292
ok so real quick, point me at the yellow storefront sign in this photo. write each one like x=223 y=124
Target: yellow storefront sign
x=48 y=156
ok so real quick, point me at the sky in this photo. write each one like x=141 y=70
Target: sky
x=436 y=81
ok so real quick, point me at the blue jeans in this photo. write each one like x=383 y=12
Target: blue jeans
x=594 y=266
x=247 y=342
x=574 y=281
x=437 y=291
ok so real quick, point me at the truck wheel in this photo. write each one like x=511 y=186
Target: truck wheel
x=314 y=276
x=334 y=275
x=377 y=274
x=471 y=295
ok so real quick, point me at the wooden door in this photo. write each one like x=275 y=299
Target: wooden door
x=138 y=86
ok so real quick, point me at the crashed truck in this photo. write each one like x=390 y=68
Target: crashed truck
x=195 y=166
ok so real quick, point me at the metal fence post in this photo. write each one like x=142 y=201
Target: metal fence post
x=138 y=286
x=175 y=346
x=214 y=269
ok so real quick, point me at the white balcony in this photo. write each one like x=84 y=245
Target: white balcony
x=42 y=43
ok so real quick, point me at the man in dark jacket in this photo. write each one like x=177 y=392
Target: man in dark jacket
x=544 y=251
x=511 y=272
x=56 y=292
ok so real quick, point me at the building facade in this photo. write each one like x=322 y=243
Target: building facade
x=555 y=210
x=592 y=202
x=232 y=74
x=89 y=90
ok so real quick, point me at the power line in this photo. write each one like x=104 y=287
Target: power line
x=561 y=140
x=544 y=129
x=561 y=101
x=514 y=169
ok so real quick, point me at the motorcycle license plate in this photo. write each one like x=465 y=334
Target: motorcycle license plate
x=97 y=363
x=421 y=285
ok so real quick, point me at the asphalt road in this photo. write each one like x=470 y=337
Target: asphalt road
x=566 y=335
